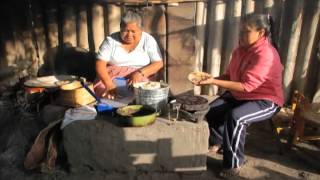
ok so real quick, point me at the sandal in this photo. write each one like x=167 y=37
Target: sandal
x=230 y=173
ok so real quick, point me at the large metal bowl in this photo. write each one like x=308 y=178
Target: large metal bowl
x=136 y=115
x=154 y=96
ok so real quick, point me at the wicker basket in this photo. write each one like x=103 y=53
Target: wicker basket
x=75 y=95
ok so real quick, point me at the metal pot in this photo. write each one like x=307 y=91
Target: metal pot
x=156 y=97
x=136 y=115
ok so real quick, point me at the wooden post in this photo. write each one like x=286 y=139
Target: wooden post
x=97 y=25
x=268 y=5
x=162 y=35
x=215 y=19
x=274 y=8
x=259 y=6
x=248 y=6
x=231 y=35
x=307 y=41
x=316 y=97
x=292 y=45
x=69 y=26
x=201 y=11
x=39 y=39
x=154 y=22
x=52 y=26
x=114 y=18
x=276 y=11
x=82 y=28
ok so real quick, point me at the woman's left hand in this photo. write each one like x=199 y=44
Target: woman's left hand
x=135 y=77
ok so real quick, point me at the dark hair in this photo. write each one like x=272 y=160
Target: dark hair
x=261 y=21
x=131 y=15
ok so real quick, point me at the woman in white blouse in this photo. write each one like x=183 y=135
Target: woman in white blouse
x=130 y=53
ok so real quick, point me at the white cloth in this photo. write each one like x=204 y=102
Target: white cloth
x=147 y=51
x=79 y=113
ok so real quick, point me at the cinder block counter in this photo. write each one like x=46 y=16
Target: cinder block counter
x=103 y=145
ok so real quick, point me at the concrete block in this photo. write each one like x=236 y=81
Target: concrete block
x=104 y=146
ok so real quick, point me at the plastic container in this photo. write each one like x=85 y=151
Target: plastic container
x=122 y=87
x=104 y=109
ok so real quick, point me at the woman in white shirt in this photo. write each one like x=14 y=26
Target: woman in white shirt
x=130 y=53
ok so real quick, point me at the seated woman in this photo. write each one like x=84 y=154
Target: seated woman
x=254 y=83
x=130 y=53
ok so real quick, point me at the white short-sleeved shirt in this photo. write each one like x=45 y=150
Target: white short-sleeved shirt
x=147 y=51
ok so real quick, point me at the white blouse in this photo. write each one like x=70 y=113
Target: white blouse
x=147 y=51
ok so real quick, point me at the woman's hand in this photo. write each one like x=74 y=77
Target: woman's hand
x=111 y=91
x=206 y=81
x=135 y=77
x=226 y=84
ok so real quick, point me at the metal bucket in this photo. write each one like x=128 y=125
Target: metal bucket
x=156 y=98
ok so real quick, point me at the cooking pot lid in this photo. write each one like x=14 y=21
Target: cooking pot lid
x=50 y=81
x=192 y=103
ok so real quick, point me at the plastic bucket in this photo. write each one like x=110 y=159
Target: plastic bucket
x=156 y=98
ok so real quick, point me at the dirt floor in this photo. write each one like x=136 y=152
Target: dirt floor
x=265 y=162
x=18 y=130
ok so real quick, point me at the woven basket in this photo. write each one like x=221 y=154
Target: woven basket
x=75 y=95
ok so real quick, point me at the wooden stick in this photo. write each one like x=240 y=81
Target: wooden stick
x=97 y=25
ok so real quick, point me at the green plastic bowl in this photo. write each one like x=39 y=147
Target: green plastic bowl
x=136 y=115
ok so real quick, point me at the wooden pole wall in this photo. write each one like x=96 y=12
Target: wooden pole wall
x=164 y=41
x=267 y=6
x=306 y=45
x=315 y=64
x=52 y=25
x=215 y=28
x=194 y=36
x=289 y=57
x=201 y=12
x=276 y=13
x=231 y=35
x=69 y=26
x=82 y=22
x=114 y=18
x=154 y=22
x=248 y=6
x=97 y=25
x=316 y=97
x=38 y=34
